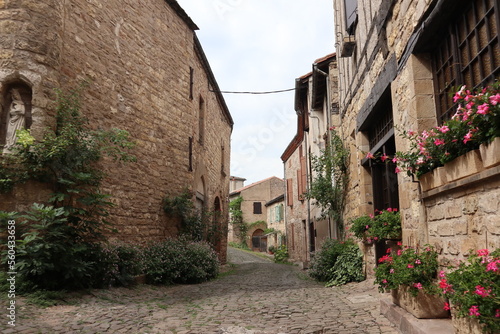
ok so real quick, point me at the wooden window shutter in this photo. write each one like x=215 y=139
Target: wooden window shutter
x=289 y=192
x=303 y=175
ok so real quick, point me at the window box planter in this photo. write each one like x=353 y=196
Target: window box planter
x=490 y=153
x=423 y=306
x=465 y=325
x=433 y=179
x=463 y=166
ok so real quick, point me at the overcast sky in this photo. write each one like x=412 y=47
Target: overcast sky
x=259 y=46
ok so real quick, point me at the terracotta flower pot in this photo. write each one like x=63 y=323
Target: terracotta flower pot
x=423 y=306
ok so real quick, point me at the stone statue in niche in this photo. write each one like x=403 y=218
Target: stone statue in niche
x=16 y=119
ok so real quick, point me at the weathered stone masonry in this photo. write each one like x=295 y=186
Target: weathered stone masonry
x=148 y=76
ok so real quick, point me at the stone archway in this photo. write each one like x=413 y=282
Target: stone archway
x=259 y=241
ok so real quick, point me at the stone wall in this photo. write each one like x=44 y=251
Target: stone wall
x=459 y=216
x=149 y=76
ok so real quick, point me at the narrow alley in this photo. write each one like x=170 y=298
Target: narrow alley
x=256 y=296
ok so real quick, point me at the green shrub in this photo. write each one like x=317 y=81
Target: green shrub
x=281 y=254
x=337 y=262
x=117 y=264
x=348 y=267
x=180 y=261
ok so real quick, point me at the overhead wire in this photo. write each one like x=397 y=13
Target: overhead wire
x=256 y=93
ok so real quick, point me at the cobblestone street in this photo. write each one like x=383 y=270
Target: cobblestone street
x=257 y=297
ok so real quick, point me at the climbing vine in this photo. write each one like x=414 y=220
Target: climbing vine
x=329 y=185
x=240 y=227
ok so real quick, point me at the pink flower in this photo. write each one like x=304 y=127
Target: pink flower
x=375 y=238
x=400 y=243
x=495 y=99
x=397 y=170
x=438 y=141
x=481 y=291
x=497 y=314
x=367 y=227
x=467 y=137
x=418 y=286
x=493 y=266
x=400 y=252
x=411 y=266
x=474 y=311
x=442 y=274
x=483 y=252
x=395 y=160
x=417 y=261
x=446 y=307
x=391 y=271
x=483 y=109
x=443 y=129
x=384 y=157
x=389 y=210
x=384 y=281
x=369 y=155
x=469 y=105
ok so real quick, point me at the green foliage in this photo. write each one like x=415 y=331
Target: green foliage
x=57 y=247
x=413 y=267
x=386 y=224
x=337 y=263
x=348 y=267
x=240 y=227
x=474 y=288
x=51 y=253
x=180 y=261
x=281 y=254
x=329 y=185
x=241 y=245
x=117 y=264
x=182 y=207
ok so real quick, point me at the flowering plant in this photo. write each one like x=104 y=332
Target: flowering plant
x=476 y=121
x=413 y=267
x=385 y=224
x=474 y=288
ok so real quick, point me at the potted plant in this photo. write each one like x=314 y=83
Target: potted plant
x=411 y=275
x=385 y=224
x=473 y=289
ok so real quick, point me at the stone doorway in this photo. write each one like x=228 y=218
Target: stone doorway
x=259 y=241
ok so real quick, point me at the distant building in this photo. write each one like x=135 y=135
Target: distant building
x=255 y=196
x=316 y=106
x=276 y=222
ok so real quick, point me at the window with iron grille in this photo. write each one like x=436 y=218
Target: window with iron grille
x=468 y=54
x=382 y=126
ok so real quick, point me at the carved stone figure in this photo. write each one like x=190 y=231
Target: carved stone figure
x=16 y=119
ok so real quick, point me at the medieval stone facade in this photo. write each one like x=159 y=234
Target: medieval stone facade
x=148 y=75
x=398 y=62
x=316 y=105
x=255 y=196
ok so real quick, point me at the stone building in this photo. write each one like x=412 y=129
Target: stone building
x=255 y=196
x=316 y=106
x=149 y=76
x=276 y=222
x=398 y=63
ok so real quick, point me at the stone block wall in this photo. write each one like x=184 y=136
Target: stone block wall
x=148 y=75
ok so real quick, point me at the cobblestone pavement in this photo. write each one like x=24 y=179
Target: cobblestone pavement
x=259 y=297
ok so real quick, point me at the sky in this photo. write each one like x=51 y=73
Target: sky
x=261 y=46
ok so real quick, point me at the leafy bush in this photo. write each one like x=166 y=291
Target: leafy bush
x=50 y=253
x=337 y=263
x=117 y=264
x=348 y=267
x=281 y=254
x=474 y=288
x=180 y=261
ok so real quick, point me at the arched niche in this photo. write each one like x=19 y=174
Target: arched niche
x=16 y=108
